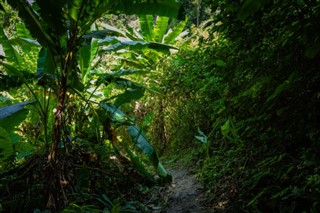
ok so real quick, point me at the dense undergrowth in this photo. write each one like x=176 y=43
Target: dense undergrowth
x=247 y=88
x=239 y=100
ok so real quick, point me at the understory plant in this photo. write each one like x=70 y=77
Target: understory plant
x=247 y=105
x=61 y=120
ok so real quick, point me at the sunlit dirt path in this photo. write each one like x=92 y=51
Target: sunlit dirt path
x=185 y=193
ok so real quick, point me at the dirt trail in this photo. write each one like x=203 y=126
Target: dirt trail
x=185 y=193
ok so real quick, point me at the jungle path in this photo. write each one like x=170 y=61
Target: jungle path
x=185 y=194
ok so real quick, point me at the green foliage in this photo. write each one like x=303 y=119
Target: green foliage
x=11 y=116
x=75 y=115
x=249 y=83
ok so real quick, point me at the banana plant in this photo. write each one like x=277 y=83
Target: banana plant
x=62 y=30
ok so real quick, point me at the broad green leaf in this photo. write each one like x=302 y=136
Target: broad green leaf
x=112 y=40
x=13 y=115
x=128 y=84
x=132 y=45
x=12 y=55
x=175 y=33
x=139 y=46
x=6 y=146
x=128 y=96
x=32 y=20
x=86 y=55
x=225 y=128
x=141 y=141
x=102 y=34
x=113 y=77
x=161 y=28
x=146 y=26
x=45 y=63
x=84 y=13
x=138 y=164
x=122 y=72
x=26 y=44
x=84 y=59
x=23 y=149
x=22 y=31
x=201 y=137
x=115 y=31
x=12 y=71
x=162 y=171
x=115 y=113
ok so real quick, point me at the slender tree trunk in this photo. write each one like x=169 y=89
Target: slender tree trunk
x=56 y=164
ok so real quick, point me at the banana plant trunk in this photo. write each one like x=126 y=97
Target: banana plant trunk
x=57 y=167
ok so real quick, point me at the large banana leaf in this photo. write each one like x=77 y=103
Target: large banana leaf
x=175 y=33
x=128 y=96
x=12 y=55
x=12 y=71
x=38 y=29
x=161 y=28
x=85 y=58
x=45 y=63
x=137 y=46
x=141 y=141
x=13 y=115
x=113 y=112
x=146 y=26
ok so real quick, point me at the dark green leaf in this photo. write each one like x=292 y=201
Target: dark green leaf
x=141 y=141
x=45 y=63
x=12 y=71
x=138 y=46
x=102 y=34
x=13 y=115
x=250 y=7
x=168 y=8
x=85 y=57
x=6 y=146
x=128 y=96
x=33 y=22
x=114 y=113
x=313 y=50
